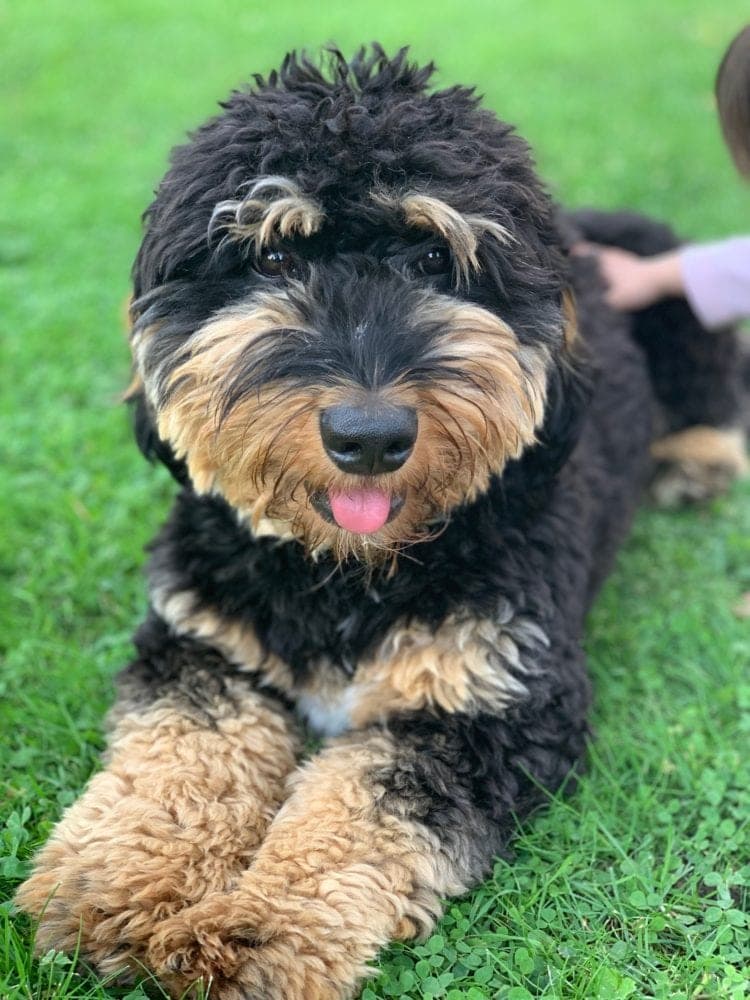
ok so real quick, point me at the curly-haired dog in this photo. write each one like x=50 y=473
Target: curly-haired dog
x=356 y=329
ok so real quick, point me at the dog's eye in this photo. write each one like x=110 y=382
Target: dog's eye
x=278 y=264
x=435 y=261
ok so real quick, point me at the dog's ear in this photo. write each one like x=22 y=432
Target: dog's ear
x=144 y=423
x=528 y=480
x=568 y=394
x=569 y=389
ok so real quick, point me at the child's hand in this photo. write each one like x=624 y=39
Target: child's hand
x=635 y=282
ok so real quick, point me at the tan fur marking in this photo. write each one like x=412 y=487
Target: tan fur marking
x=461 y=232
x=465 y=665
x=704 y=446
x=179 y=811
x=571 y=333
x=334 y=880
x=496 y=409
x=259 y=216
x=126 y=316
x=460 y=667
x=697 y=464
x=263 y=454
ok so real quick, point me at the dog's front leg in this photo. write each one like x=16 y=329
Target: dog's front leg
x=379 y=826
x=195 y=771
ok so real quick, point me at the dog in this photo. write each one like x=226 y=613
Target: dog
x=409 y=437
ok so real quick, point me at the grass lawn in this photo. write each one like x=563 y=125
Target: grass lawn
x=638 y=885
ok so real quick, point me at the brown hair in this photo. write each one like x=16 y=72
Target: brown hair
x=733 y=98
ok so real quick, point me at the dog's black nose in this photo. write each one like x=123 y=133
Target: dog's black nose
x=367 y=440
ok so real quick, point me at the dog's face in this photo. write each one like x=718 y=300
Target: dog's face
x=349 y=300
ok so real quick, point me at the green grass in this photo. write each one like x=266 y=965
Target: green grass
x=638 y=885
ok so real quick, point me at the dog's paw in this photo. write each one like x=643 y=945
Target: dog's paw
x=282 y=949
x=178 y=814
x=116 y=866
x=696 y=465
x=112 y=870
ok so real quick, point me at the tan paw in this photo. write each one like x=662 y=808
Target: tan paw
x=697 y=464
x=117 y=865
x=179 y=812
x=286 y=949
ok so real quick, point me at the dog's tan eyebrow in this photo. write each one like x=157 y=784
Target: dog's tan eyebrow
x=461 y=232
x=271 y=205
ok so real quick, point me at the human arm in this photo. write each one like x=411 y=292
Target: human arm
x=714 y=277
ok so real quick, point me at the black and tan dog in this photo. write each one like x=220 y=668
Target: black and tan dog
x=356 y=329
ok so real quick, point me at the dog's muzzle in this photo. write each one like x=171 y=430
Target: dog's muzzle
x=366 y=440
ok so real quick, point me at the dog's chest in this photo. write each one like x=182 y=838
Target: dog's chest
x=465 y=665
x=329 y=713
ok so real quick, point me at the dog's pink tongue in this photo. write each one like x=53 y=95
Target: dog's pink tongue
x=361 y=511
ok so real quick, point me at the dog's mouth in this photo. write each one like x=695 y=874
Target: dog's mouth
x=361 y=510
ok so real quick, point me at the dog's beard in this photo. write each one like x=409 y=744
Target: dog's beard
x=255 y=440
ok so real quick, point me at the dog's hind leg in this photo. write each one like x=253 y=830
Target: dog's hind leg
x=195 y=771
x=696 y=374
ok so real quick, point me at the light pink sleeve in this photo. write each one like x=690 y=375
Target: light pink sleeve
x=716 y=277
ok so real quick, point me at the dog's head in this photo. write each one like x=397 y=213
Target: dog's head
x=349 y=303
